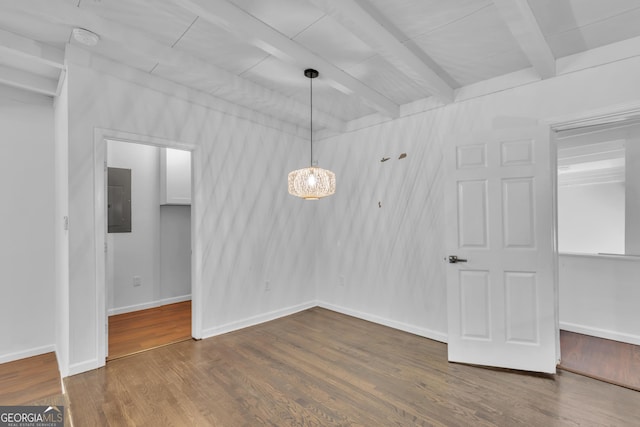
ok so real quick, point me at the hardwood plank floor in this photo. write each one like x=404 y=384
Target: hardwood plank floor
x=611 y=361
x=30 y=379
x=318 y=367
x=59 y=400
x=130 y=333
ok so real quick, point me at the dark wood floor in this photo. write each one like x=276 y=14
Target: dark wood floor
x=606 y=360
x=30 y=379
x=142 y=330
x=322 y=368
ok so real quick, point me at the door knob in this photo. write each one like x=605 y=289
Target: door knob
x=453 y=259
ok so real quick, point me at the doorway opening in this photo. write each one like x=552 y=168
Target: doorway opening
x=598 y=189
x=148 y=247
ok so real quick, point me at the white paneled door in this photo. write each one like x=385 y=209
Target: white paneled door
x=501 y=289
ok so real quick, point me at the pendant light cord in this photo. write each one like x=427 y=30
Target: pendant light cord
x=311 y=116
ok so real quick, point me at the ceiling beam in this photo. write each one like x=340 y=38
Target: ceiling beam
x=16 y=45
x=261 y=35
x=359 y=19
x=48 y=57
x=222 y=81
x=523 y=25
x=28 y=81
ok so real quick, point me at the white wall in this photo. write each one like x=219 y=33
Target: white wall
x=632 y=215
x=591 y=218
x=175 y=252
x=392 y=257
x=61 y=161
x=249 y=229
x=136 y=253
x=27 y=245
x=599 y=296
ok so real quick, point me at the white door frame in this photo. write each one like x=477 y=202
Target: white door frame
x=611 y=114
x=601 y=116
x=100 y=229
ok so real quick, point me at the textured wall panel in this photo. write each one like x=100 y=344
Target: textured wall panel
x=27 y=245
x=381 y=234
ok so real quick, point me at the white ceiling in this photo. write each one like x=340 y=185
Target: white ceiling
x=374 y=56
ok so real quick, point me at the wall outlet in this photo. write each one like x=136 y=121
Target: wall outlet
x=341 y=280
x=137 y=281
x=267 y=285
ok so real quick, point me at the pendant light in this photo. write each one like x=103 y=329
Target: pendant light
x=311 y=183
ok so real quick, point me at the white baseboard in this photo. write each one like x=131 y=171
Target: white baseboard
x=255 y=320
x=87 y=365
x=266 y=317
x=600 y=333
x=23 y=354
x=416 y=330
x=146 y=305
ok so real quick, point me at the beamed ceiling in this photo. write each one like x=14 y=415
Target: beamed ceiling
x=375 y=57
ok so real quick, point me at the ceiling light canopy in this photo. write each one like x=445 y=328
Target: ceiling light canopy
x=85 y=37
x=311 y=183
